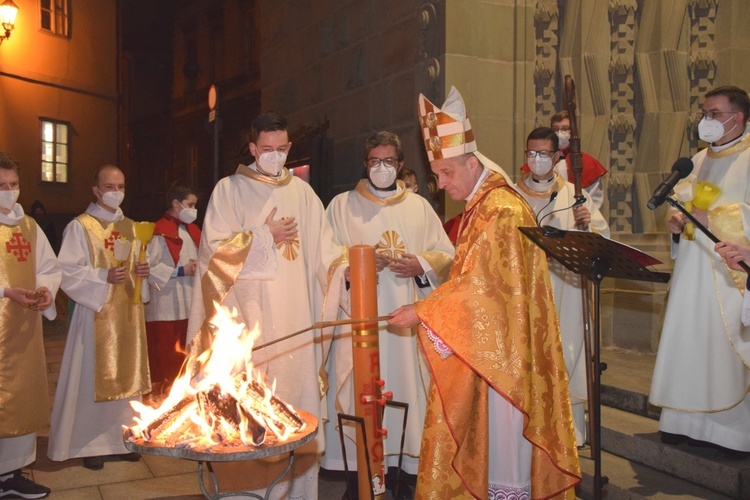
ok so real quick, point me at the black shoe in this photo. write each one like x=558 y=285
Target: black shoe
x=674 y=439
x=129 y=457
x=93 y=463
x=18 y=486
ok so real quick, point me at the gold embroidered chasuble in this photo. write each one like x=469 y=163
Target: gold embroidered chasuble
x=120 y=356
x=23 y=373
x=496 y=313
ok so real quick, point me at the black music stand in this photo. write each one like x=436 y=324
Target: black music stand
x=594 y=257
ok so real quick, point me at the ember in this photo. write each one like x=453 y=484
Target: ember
x=224 y=406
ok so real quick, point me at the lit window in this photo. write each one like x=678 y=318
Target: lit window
x=55 y=16
x=55 y=151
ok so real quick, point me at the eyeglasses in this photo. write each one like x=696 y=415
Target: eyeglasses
x=541 y=154
x=561 y=129
x=375 y=162
x=710 y=115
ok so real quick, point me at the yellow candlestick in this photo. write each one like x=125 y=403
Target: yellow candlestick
x=144 y=231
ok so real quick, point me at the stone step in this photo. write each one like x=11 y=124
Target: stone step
x=633 y=481
x=636 y=438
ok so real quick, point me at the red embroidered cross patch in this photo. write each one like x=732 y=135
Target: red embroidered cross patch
x=18 y=246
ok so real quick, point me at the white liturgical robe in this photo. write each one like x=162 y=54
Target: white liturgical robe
x=80 y=426
x=701 y=377
x=398 y=224
x=20 y=450
x=279 y=288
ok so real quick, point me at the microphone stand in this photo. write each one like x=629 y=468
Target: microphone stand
x=676 y=204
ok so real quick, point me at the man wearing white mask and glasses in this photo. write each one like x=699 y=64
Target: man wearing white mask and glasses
x=701 y=374
x=173 y=254
x=593 y=170
x=266 y=250
x=413 y=257
x=105 y=363
x=553 y=201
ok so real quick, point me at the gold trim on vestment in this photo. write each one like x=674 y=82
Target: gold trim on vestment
x=558 y=185
x=740 y=146
x=23 y=372
x=218 y=280
x=282 y=180
x=120 y=351
x=365 y=193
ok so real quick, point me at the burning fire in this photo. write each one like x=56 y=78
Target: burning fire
x=227 y=404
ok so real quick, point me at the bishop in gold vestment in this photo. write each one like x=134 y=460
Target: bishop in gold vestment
x=498 y=420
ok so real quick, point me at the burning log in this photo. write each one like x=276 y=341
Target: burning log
x=166 y=420
x=217 y=407
x=225 y=406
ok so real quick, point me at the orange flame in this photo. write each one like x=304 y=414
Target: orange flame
x=226 y=403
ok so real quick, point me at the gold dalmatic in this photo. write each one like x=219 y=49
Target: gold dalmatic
x=23 y=372
x=120 y=356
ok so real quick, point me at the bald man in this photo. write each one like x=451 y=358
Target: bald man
x=105 y=363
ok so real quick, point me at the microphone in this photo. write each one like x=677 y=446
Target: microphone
x=681 y=169
x=579 y=201
x=551 y=199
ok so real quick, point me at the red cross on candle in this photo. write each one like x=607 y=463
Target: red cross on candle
x=18 y=246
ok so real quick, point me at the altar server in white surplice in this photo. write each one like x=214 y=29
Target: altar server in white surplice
x=413 y=256
x=29 y=279
x=701 y=377
x=105 y=362
x=537 y=187
x=266 y=250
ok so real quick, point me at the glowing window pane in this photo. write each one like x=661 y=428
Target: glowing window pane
x=48 y=132
x=62 y=173
x=62 y=154
x=47 y=172
x=62 y=133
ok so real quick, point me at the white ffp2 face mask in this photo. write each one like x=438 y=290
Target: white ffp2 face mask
x=564 y=138
x=272 y=162
x=188 y=215
x=8 y=198
x=382 y=177
x=712 y=130
x=113 y=199
x=540 y=166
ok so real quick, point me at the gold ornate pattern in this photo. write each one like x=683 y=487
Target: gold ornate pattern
x=496 y=314
x=391 y=244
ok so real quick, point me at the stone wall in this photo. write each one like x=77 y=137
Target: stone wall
x=641 y=68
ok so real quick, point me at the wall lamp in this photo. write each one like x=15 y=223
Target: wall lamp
x=8 y=12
